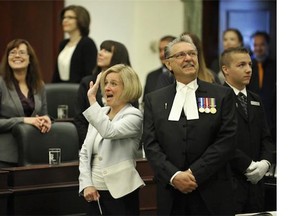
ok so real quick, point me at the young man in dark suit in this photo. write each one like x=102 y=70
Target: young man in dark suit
x=254 y=153
x=188 y=144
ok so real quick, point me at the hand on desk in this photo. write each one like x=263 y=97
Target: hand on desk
x=185 y=182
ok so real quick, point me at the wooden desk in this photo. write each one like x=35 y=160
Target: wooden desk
x=147 y=193
x=4 y=192
x=45 y=189
x=53 y=190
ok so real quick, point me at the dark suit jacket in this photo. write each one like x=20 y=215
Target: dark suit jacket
x=11 y=114
x=268 y=91
x=83 y=60
x=254 y=140
x=153 y=81
x=204 y=145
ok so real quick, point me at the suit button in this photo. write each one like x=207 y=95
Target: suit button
x=100 y=158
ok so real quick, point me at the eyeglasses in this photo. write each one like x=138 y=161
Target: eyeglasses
x=182 y=55
x=21 y=53
x=69 y=17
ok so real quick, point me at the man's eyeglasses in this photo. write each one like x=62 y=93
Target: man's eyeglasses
x=182 y=55
x=21 y=53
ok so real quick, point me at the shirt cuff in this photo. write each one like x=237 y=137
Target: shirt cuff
x=174 y=177
x=269 y=164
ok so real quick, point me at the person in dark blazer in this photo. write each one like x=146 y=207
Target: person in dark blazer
x=160 y=77
x=260 y=45
x=189 y=146
x=78 y=53
x=22 y=97
x=255 y=148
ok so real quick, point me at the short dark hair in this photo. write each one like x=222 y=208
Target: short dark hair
x=168 y=38
x=82 y=16
x=263 y=34
x=226 y=55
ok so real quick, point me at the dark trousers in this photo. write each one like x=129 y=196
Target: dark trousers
x=248 y=198
x=127 y=205
x=189 y=204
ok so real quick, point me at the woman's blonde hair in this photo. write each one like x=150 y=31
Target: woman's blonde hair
x=132 y=89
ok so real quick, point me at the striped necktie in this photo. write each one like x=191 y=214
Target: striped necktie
x=243 y=101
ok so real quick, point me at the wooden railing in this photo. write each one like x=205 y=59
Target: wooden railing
x=53 y=190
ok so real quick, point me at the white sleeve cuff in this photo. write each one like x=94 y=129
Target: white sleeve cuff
x=173 y=177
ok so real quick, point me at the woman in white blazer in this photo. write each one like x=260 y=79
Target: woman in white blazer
x=108 y=178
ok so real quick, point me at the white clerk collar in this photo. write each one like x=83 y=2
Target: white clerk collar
x=185 y=98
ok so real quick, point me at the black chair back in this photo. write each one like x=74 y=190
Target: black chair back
x=33 y=146
x=61 y=94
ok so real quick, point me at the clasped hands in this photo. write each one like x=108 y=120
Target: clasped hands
x=185 y=181
x=43 y=123
x=256 y=171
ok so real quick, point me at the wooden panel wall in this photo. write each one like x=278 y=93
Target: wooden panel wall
x=36 y=21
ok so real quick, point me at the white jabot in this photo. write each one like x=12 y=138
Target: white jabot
x=185 y=98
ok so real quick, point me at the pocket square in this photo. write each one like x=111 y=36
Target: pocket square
x=255 y=103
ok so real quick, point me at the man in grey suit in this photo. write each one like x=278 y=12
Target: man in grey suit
x=189 y=137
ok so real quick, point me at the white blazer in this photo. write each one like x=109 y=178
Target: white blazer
x=116 y=152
